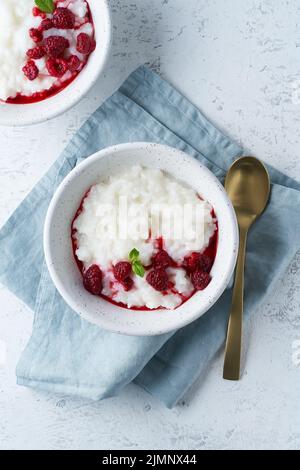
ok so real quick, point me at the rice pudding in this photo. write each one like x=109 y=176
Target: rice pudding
x=144 y=240
x=41 y=52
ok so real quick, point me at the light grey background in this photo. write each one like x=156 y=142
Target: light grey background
x=239 y=61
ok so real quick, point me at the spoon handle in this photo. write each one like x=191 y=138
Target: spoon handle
x=231 y=370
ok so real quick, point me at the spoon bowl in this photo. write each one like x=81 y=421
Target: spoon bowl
x=248 y=186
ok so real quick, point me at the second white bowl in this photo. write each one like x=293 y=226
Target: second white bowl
x=26 y=114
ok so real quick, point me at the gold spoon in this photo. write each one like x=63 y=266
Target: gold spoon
x=248 y=186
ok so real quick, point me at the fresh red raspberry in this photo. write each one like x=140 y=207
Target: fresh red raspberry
x=84 y=43
x=57 y=67
x=122 y=270
x=63 y=18
x=93 y=45
x=190 y=262
x=35 y=35
x=37 y=12
x=205 y=263
x=45 y=25
x=73 y=63
x=161 y=259
x=55 y=45
x=158 y=279
x=30 y=70
x=36 y=53
x=127 y=284
x=92 y=280
x=197 y=261
x=200 y=279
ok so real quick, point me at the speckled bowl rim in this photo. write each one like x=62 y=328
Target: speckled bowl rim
x=13 y=115
x=131 y=328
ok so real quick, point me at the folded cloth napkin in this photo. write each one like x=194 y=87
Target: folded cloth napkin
x=68 y=355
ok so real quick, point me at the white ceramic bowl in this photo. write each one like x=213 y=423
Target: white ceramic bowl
x=59 y=255
x=23 y=115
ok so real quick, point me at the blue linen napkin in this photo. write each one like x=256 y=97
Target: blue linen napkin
x=68 y=355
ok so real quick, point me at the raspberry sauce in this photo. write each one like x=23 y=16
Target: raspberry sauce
x=41 y=95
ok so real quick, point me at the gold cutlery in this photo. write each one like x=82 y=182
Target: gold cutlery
x=248 y=186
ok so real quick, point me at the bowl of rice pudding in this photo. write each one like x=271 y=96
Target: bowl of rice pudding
x=51 y=54
x=140 y=239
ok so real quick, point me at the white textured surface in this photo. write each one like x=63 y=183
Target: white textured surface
x=239 y=61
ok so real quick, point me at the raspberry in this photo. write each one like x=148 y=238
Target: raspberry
x=84 y=43
x=55 y=45
x=158 y=279
x=63 y=18
x=37 y=12
x=197 y=261
x=30 y=70
x=127 y=284
x=45 y=25
x=161 y=259
x=57 y=67
x=200 y=279
x=92 y=280
x=205 y=263
x=35 y=35
x=190 y=263
x=93 y=45
x=122 y=270
x=73 y=63
x=36 y=53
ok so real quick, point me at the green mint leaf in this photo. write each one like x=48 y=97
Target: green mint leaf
x=47 y=6
x=136 y=264
x=134 y=255
x=138 y=268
